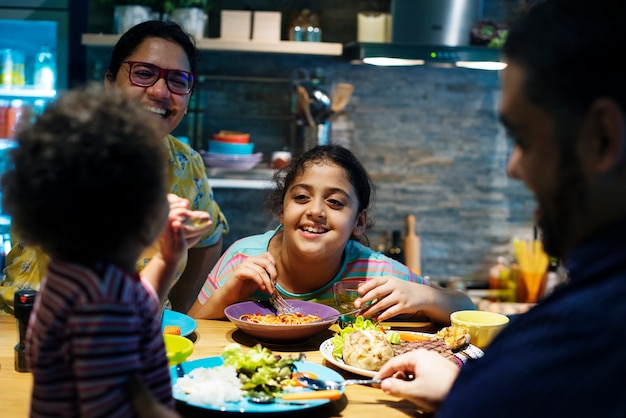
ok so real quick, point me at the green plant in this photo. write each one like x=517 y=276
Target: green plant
x=169 y=5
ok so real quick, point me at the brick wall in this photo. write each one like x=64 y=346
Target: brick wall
x=429 y=137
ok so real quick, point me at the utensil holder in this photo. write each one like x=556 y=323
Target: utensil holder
x=306 y=137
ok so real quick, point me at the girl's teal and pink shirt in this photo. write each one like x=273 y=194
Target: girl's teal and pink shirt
x=360 y=262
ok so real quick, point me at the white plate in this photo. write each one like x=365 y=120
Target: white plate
x=326 y=348
x=234 y=157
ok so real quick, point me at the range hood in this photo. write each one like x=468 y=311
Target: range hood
x=390 y=54
x=429 y=32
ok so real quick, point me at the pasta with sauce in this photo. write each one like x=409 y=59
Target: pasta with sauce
x=280 y=319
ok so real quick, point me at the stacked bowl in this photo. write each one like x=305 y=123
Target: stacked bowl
x=232 y=150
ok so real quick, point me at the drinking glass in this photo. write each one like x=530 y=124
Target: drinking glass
x=345 y=293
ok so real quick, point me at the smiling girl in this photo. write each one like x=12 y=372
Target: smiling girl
x=322 y=202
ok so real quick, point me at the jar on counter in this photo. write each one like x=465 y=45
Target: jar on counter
x=280 y=159
x=314 y=30
x=306 y=27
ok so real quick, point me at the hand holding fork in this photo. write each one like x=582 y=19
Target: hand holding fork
x=280 y=304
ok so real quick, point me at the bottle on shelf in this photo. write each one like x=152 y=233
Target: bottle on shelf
x=395 y=250
x=495 y=280
x=13 y=117
x=6 y=68
x=45 y=69
x=4 y=111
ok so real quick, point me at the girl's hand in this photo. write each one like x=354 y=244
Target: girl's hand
x=256 y=272
x=391 y=296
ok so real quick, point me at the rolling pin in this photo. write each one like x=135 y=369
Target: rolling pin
x=412 y=246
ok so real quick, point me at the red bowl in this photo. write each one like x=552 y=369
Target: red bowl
x=232 y=137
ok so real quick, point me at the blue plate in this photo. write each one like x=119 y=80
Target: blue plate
x=186 y=323
x=247 y=406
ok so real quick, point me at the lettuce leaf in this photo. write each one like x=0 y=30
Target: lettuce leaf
x=259 y=370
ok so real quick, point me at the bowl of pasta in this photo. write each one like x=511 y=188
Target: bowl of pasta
x=262 y=322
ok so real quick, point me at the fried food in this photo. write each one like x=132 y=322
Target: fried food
x=454 y=336
x=171 y=329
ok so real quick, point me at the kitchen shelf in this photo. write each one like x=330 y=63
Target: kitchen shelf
x=258 y=178
x=27 y=92
x=215 y=44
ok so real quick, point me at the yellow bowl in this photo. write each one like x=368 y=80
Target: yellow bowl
x=483 y=326
x=177 y=348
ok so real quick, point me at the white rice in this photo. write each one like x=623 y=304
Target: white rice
x=212 y=386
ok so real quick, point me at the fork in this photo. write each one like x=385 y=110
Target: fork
x=280 y=304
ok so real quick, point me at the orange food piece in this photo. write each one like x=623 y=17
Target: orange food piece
x=171 y=329
x=405 y=336
x=295 y=375
x=332 y=395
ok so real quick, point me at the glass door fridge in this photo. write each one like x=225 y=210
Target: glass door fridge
x=34 y=39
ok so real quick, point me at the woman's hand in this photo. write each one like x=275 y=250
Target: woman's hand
x=433 y=377
x=195 y=222
x=174 y=241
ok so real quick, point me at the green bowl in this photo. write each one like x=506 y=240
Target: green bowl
x=177 y=348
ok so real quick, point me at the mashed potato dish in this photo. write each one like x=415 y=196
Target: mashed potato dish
x=366 y=349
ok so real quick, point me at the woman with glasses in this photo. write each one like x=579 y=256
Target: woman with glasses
x=154 y=63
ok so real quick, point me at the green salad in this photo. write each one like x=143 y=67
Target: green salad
x=361 y=324
x=259 y=370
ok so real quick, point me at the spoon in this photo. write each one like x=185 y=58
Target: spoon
x=265 y=399
x=319 y=384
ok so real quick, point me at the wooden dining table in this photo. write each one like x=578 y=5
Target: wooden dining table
x=210 y=338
